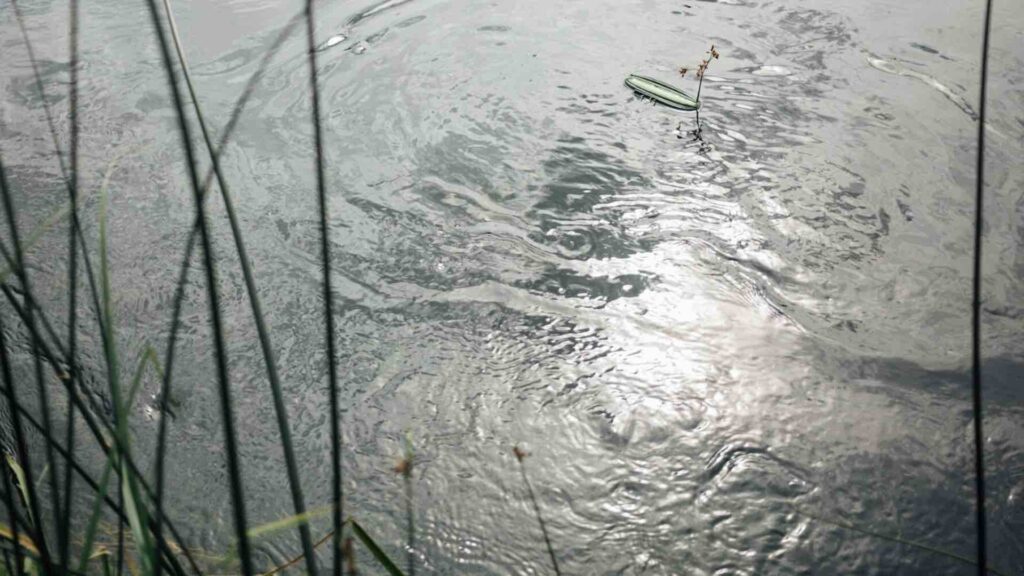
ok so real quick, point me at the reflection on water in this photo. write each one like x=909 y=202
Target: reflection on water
x=722 y=350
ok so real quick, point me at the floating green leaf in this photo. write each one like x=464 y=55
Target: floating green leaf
x=661 y=92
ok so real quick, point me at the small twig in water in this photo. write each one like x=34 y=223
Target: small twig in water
x=404 y=467
x=520 y=455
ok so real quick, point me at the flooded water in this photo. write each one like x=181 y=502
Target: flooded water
x=745 y=353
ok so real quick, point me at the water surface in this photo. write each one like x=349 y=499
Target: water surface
x=721 y=353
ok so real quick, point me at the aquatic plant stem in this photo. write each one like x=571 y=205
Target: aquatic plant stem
x=76 y=224
x=976 y=397
x=520 y=456
x=280 y=410
x=20 y=270
x=325 y=258
x=19 y=411
x=69 y=442
x=213 y=297
x=179 y=291
x=405 y=468
x=103 y=436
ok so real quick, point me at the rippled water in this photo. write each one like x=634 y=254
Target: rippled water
x=718 y=352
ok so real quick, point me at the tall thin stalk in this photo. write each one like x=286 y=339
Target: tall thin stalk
x=107 y=439
x=979 y=220
x=19 y=260
x=405 y=467
x=325 y=259
x=65 y=528
x=183 y=273
x=55 y=141
x=213 y=296
x=520 y=456
x=280 y=410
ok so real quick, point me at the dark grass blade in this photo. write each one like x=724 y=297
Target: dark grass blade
x=179 y=293
x=105 y=438
x=76 y=224
x=65 y=529
x=377 y=552
x=213 y=297
x=8 y=381
x=29 y=319
x=19 y=433
x=280 y=411
x=976 y=398
x=520 y=456
x=325 y=257
x=21 y=412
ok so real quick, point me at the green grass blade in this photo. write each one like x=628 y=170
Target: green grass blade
x=136 y=513
x=19 y=475
x=135 y=508
x=377 y=551
x=94 y=517
x=289 y=521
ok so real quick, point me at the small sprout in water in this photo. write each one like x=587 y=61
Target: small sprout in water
x=683 y=71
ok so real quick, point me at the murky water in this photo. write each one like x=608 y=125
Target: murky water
x=725 y=355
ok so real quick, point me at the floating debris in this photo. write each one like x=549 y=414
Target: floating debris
x=772 y=71
x=332 y=42
x=900 y=70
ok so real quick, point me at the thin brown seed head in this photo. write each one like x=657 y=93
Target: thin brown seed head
x=403 y=467
x=350 y=557
x=682 y=71
x=519 y=452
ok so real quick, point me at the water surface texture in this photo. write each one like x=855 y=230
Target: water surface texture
x=740 y=354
